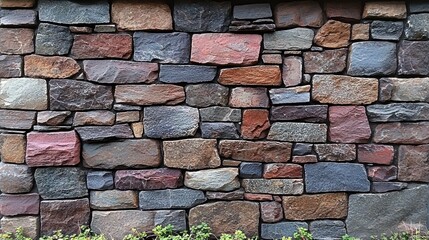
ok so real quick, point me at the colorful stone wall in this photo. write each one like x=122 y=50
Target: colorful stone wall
x=262 y=117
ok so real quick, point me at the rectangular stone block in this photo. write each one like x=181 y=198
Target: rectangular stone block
x=274 y=186
x=298 y=132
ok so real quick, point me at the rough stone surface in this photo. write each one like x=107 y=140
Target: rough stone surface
x=75 y=95
x=302 y=149
x=225 y=48
x=171 y=198
x=274 y=186
x=413 y=163
x=226 y=179
x=404 y=89
x=241 y=215
x=250 y=170
x=17 y=119
x=162 y=47
x=10 y=66
x=255 y=75
x=196 y=95
x=388 y=10
x=52 y=118
x=298 y=132
x=19 y=17
x=304 y=113
x=74 y=12
x=402 y=133
x=335 y=177
x=220 y=114
x=191 y=154
x=94 y=118
x=12 y=148
x=52 y=215
x=50 y=67
x=336 y=89
x=292 y=71
x=19 y=204
x=327 y=229
x=360 y=31
x=417 y=27
x=348 y=11
x=160 y=178
x=317 y=206
x=372 y=58
x=53 y=39
x=16 y=40
x=137 y=15
x=417 y=6
x=298 y=13
x=233 y=195
x=282 y=170
x=129 y=153
x=382 y=187
x=398 y=112
x=281 y=229
x=17 y=4
x=102 y=133
x=29 y=224
x=291 y=39
x=271 y=212
x=255 y=124
x=102 y=45
x=187 y=73
x=244 y=97
x=328 y=61
x=113 y=199
x=412 y=58
x=99 y=180
x=348 y=124
x=221 y=130
x=149 y=94
x=382 y=174
x=386 y=30
x=119 y=72
x=258 y=197
x=336 y=152
x=333 y=34
x=375 y=153
x=264 y=151
x=61 y=182
x=15 y=178
x=110 y=222
x=202 y=16
x=363 y=208
x=52 y=149
x=299 y=94
x=170 y=122
x=23 y=93
x=252 y=11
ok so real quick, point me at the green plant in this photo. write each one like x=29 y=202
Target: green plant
x=85 y=234
x=348 y=237
x=302 y=234
x=18 y=235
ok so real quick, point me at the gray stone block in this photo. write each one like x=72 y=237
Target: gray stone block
x=252 y=11
x=417 y=27
x=99 y=180
x=61 y=182
x=327 y=229
x=250 y=170
x=171 y=198
x=221 y=130
x=53 y=39
x=386 y=30
x=281 y=229
x=187 y=73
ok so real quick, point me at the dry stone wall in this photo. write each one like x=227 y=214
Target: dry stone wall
x=262 y=116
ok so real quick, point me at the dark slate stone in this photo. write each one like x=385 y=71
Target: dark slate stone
x=74 y=12
x=221 y=130
x=386 y=30
x=13 y=119
x=10 y=66
x=252 y=11
x=327 y=229
x=417 y=27
x=372 y=58
x=381 y=187
x=220 y=114
x=413 y=58
x=281 y=229
x=171 y=198
x=301 y=149
x=201 y=15
x=21 y=17
x=253 y=28
x=99 y=180
x=396 y=112
x=61 y=182
x=250 y=170
x=162 y=47
x=187 y=73
x=170 y=122
x=102 y=133
x=53 y=39
x=205 y=95
x=67 y=94
x=304 y=113
x=335 y=177
x=417 y=6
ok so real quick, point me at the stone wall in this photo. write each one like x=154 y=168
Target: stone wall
x=263 y=117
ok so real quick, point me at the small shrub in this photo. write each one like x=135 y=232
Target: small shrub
x=18 y=235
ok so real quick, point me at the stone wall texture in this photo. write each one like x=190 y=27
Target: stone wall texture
x=259 y=116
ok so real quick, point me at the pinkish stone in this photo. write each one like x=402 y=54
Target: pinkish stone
x=374 y=153
x=348 y=124
x=52 y=149
x=282 y=170
x=382 y=174
x=245 y=97
x=226 y=48
x=161 y=178
x=304 y=159
x=258 y=197
x=103 y=45
x=292 y=71
x=22 y=204
x=271 y=211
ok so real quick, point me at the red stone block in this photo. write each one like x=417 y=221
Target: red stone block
x=258 y=197
x=304 y=159
x=52 y=149
x=271 y=211
x=22 y=204
x=255 y=75
x=103 y=45
x=378 y=154
x=16 y=40
x=161 y=178
x=246 y=97
x=382 y=174
x=348 y=124
x=282 y=170
x=255 y=124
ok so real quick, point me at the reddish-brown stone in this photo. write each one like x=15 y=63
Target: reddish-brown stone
x=161 y=178
x=226 y=48
x=255 y=75
x=304 y=159
x=66 y=215
x=374 y=153
x=292 y=71
x=328 y=61
x=258 y=197
x=246 y=97
x=19 y=204
x=17 y=4
x=16 y=40
x=382 y=174
x=333 y=34
x=413 y=163
x=385 y=9
x=343 y=10
x=298 y=13
x=271 y=211
x=104 y=45
x=52 y=149
x=50 y=67
x=282 y=170
x=348 y=124
x=255 y=124
x=12 y=148
x=255 y=151
x=138 y=15
x=302 y=113
x=402 y=133
x=165 y=94
x=318 y=206
x=360 y=31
